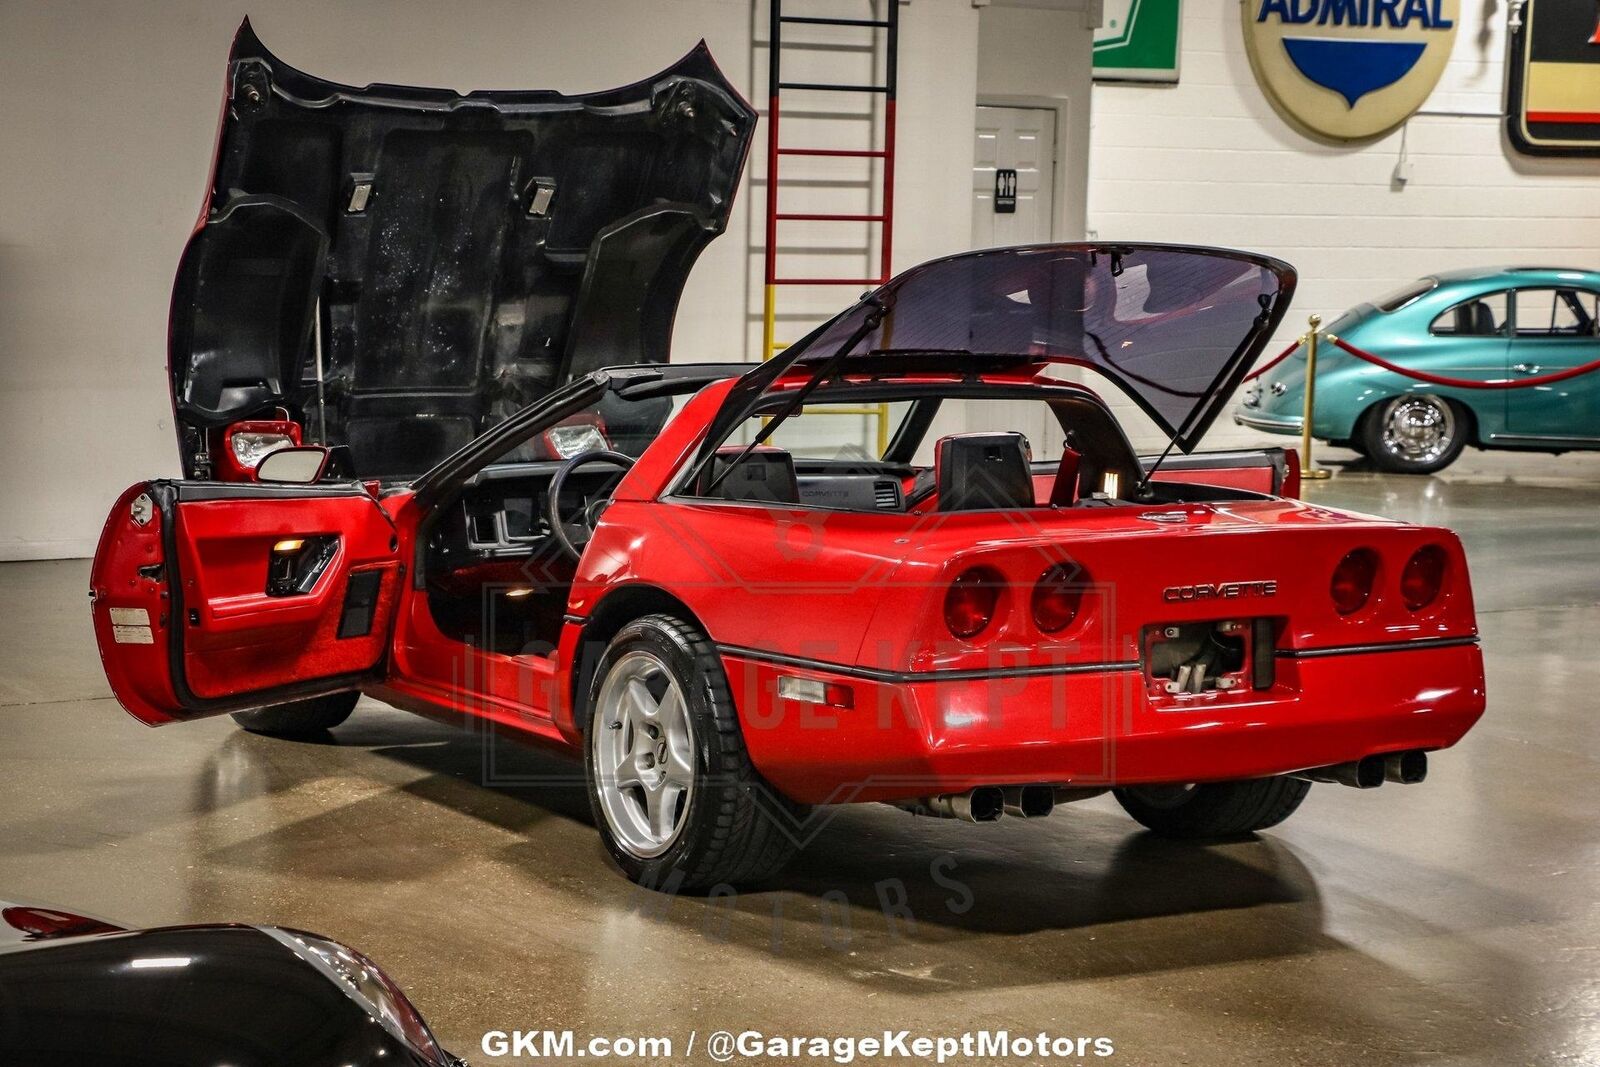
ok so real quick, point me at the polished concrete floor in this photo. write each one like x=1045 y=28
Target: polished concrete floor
x=1452 y=923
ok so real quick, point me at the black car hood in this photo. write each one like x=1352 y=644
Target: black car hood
x=444 y=259
x=186 y=995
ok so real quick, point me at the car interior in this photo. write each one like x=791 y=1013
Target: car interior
x=502 y=554
x=1480 y=317
x=1557 y=313
x=1540 y=313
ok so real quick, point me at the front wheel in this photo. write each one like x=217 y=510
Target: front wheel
x=299 y=718
x=1414 y=434
x=675 y=797
x=1218 y=809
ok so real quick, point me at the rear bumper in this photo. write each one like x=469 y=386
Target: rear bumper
x=907 y=736
x=1284 y=424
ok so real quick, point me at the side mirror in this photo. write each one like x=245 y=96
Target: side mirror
x=302 y=465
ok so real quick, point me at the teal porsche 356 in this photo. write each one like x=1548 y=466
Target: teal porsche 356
x=1491 y=324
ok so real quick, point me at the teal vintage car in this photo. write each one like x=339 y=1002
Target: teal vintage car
x=1490 y=324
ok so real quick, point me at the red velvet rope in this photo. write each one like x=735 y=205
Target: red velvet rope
x=1285 y=354
x=1466 y=383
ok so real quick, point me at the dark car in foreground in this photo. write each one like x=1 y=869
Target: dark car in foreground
x=80 y=990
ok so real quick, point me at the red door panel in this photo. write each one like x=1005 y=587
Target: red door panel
x=192 y=617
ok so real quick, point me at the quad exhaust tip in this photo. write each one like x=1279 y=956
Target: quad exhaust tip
x=1030 y=801
x=986 y=803
x=1406 y=768
x=983 y=804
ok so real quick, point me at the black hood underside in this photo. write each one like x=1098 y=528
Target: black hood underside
x=401 y=268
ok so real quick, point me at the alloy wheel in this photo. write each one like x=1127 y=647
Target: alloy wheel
x=643 y=754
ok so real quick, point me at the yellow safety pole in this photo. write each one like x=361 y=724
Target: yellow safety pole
x=769 y=318
x=1307 y=468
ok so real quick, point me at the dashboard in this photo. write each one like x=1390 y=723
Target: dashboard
x=500 y=514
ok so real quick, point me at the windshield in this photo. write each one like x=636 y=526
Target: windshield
x=618 y=420
x=1173 y=327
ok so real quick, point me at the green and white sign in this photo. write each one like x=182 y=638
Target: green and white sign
x=1138 y=41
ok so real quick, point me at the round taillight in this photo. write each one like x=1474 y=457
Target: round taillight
x=1353 y=579
x=970 y=602
x=1423 y=577
x=1057 y=596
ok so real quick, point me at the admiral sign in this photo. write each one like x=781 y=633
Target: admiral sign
x=1349 y=69
x=1554 y=83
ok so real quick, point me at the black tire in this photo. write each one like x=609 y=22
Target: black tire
x=1220 y=809
x=735 y=828
x=1394 y=458
x=299 y=718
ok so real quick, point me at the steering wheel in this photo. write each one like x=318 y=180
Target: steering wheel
x=572 y=533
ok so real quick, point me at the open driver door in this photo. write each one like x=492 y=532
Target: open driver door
x=211 y=597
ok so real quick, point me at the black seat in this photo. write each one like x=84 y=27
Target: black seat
x=767 y=475
x=1475 y=319
x=1483 y=320
x=983 y=472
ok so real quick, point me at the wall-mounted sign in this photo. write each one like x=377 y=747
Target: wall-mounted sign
x=1553 y=91
x=1138 y=41
x=1005 y=191
x=1349 y=70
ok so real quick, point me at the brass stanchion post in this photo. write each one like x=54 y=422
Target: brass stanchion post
x=1307 y=468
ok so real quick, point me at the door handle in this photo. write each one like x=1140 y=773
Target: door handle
x=1527 y=368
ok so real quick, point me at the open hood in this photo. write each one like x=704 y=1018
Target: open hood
x=400 y=268
x=1174 y=327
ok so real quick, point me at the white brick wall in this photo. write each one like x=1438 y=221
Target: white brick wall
x=1210 y=161
x=111 y=115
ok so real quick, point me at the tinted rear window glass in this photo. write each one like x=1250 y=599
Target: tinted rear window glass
x=1164 y=323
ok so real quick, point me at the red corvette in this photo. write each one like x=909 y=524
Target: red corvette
x=700 y=578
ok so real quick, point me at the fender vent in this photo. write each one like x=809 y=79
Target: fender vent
x=360 y=603
x=886 y=494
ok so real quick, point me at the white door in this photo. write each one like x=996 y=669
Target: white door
x=1020 y=139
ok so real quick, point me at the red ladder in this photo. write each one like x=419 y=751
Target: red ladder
x=776 y=150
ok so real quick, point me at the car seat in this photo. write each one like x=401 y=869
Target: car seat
x=767 y=475
x=983 y=471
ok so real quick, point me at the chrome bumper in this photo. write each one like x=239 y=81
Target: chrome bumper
x=1288 y=424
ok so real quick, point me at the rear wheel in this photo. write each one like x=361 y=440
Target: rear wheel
x=299 y=718
x=675 y=797
x=1218 y=809
x=1414 y=434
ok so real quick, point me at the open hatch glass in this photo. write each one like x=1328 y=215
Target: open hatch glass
x=1174 y=327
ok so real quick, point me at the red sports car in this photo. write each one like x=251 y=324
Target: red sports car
x=710 y=581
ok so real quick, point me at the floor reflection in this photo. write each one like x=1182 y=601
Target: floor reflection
x=1451 y=923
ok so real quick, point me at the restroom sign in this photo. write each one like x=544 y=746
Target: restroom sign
x=1005 y=191
x=1349 y=70
x=1553 y=87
